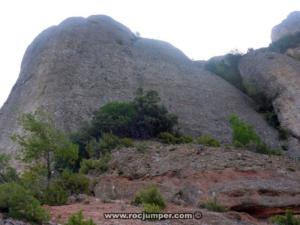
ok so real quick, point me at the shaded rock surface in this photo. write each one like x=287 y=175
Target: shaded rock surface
x=277 y=77
x=290 y=25
x=243 y=181
x=70 y=70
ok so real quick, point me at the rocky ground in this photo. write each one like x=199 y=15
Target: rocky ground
x=252 y=186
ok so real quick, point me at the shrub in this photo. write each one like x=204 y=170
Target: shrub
x=150 y=196
x=141 y=118
x=7 y=173
x=108 y=142
x=169 y=138
x=142 y=147
x=20 y=204
x=185 y=139
x=34 y=179
x=114 y=117
x=96 y=165
x=245 y=136
x=55 y=194
x=152 y=118
x=151 y=208
x=127 y=142
x=213 y=205
x=287 y=219
x=78 y=219
x=208 y=140
x=243 y=133
x=42 y=144
x=74 y=183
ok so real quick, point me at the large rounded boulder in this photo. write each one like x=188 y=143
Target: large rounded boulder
x=72 y=69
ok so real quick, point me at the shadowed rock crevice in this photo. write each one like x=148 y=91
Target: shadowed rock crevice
x=260 y=211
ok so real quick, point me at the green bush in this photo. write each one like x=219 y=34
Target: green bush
x=287 y=219
x=74 y=183
x=141 y=147
x=108 y=142
x=95 y=165
x=151 y=208
x=34 y=179
x=169 y=138
x=141 y=118
x=185 y=139
x=213 y=205
x=127 y=142
x=20 y=204
x=78 y=219
x=114 y=117
x=150 y=196
x=55 y=194
x=243 y=133
x=245 y=136
x=208 y=140
x=7 y=173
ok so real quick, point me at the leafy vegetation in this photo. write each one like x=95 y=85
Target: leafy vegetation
x=227 y=68
x=141 y=147
x=244 y=135
x=213 y=205
x=141 y=118
x=169 y=138
x=208 y=140
x=51 y=157
x=151 y=198
x=287 y=219
x=74 y=183
x=151 y=208
x=97 y=166
x=78 y=219
x=7 y=173
x=44 y=145
x=20 y=204
x=284 y=43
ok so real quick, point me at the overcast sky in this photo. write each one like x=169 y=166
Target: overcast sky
x=200 y=28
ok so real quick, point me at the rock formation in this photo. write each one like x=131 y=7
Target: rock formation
x=290 y=25
x=70 y=70
x=247 y=182
x=277 y=77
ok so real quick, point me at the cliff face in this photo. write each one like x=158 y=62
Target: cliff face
x=289 y=26
x=277 y=77
x=72 y=69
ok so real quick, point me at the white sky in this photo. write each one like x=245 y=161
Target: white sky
x=200 y=28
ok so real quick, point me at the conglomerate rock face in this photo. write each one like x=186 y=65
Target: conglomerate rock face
x=277 y=77
x=289 y=26
x=243 y=181
x=72 y=69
